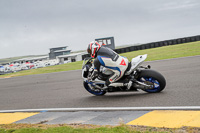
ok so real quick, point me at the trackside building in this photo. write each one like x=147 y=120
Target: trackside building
x=58 y=51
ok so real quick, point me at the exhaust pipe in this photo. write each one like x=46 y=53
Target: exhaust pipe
x=143 y=86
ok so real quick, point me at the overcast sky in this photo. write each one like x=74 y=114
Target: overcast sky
x=31 y=27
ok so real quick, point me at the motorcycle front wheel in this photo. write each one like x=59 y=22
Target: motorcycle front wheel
x=94 y=92
x=153 y=78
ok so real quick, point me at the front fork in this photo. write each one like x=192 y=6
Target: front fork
x=94 y=85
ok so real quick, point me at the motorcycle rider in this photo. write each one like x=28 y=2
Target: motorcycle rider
x=108 y=58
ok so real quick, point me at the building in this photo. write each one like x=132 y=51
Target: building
x=71 y=57
x=106 y=42
x=61 y=54
x=58 y=51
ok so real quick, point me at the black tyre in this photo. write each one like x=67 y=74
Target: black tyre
x=154 y=78
x=96 y=93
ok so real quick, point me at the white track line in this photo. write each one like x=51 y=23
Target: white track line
x=105 y=109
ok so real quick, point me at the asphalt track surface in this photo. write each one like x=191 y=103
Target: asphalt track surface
x=65 y=89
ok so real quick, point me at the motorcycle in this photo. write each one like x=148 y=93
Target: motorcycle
x=142 y=77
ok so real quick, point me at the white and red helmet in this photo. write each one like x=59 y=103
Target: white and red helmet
x=93 y=48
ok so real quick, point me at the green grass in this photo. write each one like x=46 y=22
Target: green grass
x=85 y=128
x=167 y=52
x=69 y=129
x=160 y=53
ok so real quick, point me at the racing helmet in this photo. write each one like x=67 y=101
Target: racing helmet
x=93 y=48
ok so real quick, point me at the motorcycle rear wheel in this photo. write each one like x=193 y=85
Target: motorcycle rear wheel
x=96 y=93
x=153 y=78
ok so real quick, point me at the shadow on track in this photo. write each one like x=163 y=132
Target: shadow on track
x=123 y=95
x=122 y=99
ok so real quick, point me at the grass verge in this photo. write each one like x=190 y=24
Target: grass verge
x=62 y=128
x=76 y=128
x=167 y=52
x=160 y=53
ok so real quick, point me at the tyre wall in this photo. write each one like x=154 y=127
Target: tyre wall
x=154 y=45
